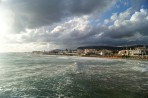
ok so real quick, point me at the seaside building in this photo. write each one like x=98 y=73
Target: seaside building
x=71 y=52
x=135 y=52
x=123 y=53
x=90 y=51
x=139 y=51
x=103 y=52
x=106 y=52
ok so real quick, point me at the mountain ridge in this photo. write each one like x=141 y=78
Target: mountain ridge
x=112 y=47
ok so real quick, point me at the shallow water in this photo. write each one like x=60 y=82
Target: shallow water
x=23 y=75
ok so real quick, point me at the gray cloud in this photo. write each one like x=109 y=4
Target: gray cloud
x=37 y=13
x=78 y=32
x=68 y=23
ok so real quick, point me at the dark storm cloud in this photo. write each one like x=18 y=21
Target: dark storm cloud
x=37 y=13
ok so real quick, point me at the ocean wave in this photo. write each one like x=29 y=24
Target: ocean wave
x=140 y=69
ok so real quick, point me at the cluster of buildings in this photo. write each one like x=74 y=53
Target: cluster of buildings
x=87 y=52
x=57 y=52
x=136 y=52
x=139 y=51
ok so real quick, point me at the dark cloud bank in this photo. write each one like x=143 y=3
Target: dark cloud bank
x=37 y=13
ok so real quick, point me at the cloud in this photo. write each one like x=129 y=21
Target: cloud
x=118 y=18
x=70 y=33
x=37 y=13
x=68 y=24
x=77 y=31
x=127 y=25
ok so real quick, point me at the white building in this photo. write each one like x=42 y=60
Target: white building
x=124 y=52
x=135 y=52
x=90 y=51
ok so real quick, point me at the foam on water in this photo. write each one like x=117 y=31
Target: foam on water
x=140 y=69
x=71 y=77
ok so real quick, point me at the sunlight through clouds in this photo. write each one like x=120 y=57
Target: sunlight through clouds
x=6 y=26
x=26 y=24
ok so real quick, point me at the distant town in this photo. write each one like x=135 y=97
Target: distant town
x=132 y=52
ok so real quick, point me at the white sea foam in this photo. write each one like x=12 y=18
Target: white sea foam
x=140 y=69
x=63 y=57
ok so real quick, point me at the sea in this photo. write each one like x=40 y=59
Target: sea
x=26 y=75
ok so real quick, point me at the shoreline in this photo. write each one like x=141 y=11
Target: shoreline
x=107 y=57
x=118 y=57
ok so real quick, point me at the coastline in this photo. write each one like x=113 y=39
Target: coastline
x=119 y=57
x=107 y=57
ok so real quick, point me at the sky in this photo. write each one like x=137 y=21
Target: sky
x=28 y=25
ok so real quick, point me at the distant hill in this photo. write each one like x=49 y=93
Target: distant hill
x=112 y=47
